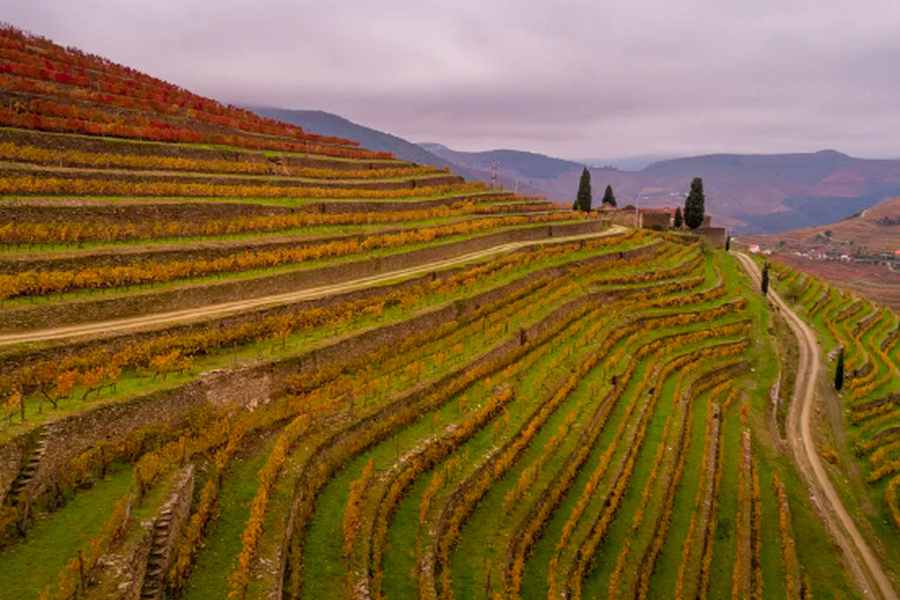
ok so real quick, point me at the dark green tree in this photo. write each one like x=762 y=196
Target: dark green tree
x=678 y=220
x=765 y=279
x=694 y=205
x=839 y=371
x=609 y=199
x=584 y=198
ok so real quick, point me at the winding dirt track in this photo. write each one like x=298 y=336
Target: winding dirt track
x=143 y=322
x=862 y=561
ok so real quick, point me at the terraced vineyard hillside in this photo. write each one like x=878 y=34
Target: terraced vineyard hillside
x=240 y=360
x=868 y=406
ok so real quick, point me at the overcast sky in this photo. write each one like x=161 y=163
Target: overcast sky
x=578 y=79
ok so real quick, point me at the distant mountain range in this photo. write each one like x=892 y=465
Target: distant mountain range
x=750 y=193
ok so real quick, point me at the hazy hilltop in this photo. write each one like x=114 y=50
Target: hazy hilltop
x=516 y=163
x=323 y=122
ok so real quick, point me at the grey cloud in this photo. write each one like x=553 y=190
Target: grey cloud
x=569 y=77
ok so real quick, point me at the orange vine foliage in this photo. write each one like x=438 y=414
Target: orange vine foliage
x=63 y=89
x=248 y=163
x=353 y=510
x=70 y=231
x=42 y=184
x=40 y=283
x=240 y=577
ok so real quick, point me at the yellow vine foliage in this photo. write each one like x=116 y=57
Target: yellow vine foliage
x=107 y=160
x=44 y=185
x=353 y=509
x=41 y=282
x=240 y=577
x=104 y=230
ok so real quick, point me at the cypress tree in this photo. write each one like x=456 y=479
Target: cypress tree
x=765 y=279
x=839 y=371
x=584 y=197
x=678 y=220
x=609 y=198
x=694 y=205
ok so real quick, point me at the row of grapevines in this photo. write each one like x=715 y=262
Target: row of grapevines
x=657 y=348
x=620 y=482
x=46 y=184
x=23 y=78
x=108 y=230
x=615 y=582
x=794 y=582
x=185 y=550
x=45 y=282
x=746 y=578
x=424 y=458
x=64 y=117
x=73 y=579
x=16 y=152
x=393 y=483
x=720 y=376
x=697 y=544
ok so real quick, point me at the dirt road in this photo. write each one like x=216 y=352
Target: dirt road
x=143 y=322
x=862 y=561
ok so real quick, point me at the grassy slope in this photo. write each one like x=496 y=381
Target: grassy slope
x=35 y=562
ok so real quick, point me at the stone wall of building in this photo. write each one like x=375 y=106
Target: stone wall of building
x=714 y=235
x=655 y=220
x=626 y=217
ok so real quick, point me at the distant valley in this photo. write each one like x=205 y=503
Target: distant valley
x=859 y=252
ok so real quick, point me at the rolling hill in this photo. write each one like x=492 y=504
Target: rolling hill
x=871 y=231
x=245 y=359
